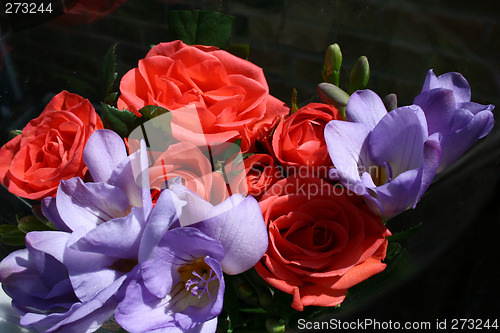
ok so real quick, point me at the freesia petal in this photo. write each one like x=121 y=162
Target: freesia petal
x=11 y=264
x=196 y=209
x=474 y=109
x=160 y=220
x=432 y=158
x=89 y=204
x=132 y=177
x=400 y=194
x=365 y=107
x=49 y=210
x=242 y=232
x=347 y=146
x=141 y=311
x=89 y=271
x=452 y=81
x=50 y=242
x=103 y=152
x=398 y=139
x=459 y=141
x=456 y=83
x=89 y=316
x=116 y=238
x=185 y=244
x=179 y=246
x=431 y=81
x=439 y=108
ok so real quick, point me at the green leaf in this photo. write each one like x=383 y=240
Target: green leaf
x=6 y=228
x=151 y=111
x=14 y=133
x=200 y=27
x=122 y=122
x=240 y=50
x=108 y=75
x=405 y=233
x=12 y=236
x=31 y=223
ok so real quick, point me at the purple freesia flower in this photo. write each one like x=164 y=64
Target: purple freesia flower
x=102 y=223
x=388 y=158
x=179 y=289
x=186 y=246
x=446 y=103
x=38 y=283
x=107 y=217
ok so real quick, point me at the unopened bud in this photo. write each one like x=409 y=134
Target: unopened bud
x=360 y=74
x=265 y=299
x=333 y=57
x=333 y=61
x=245 y=291
x=390 y=102
x=333 y=95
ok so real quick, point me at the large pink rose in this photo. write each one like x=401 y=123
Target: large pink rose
x=49 y=148
x=215 y=96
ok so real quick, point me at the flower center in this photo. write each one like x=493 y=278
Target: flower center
x=380 y=175
x=197 y=277
x=124 y=265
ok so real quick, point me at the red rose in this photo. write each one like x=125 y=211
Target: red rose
x=299 y=140
x=321 y=241
x=259 y=174
x=218 y=96
x=49 y=148
x=188 y=162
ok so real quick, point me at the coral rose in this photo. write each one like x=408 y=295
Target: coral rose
x=299 y=140
x=219 y=97
x=321 y=241
x=49 y=148
x=188 y=162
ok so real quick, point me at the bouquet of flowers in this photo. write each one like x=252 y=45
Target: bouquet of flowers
x=198 y=202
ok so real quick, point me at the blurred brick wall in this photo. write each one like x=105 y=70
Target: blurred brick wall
x=402 y=40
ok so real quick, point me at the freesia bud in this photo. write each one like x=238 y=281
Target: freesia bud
x=360 y=74
x=390 y=102
x=333 y=61
x=245 y=291
x=265 y=299
x=333 y=95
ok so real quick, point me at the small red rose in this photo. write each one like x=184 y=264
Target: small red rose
x=299 y=141
x=50 y=148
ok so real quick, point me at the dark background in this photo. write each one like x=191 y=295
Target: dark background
x=453 y=257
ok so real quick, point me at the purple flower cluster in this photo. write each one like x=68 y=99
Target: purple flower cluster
x=391 y=158
x=155 y=269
